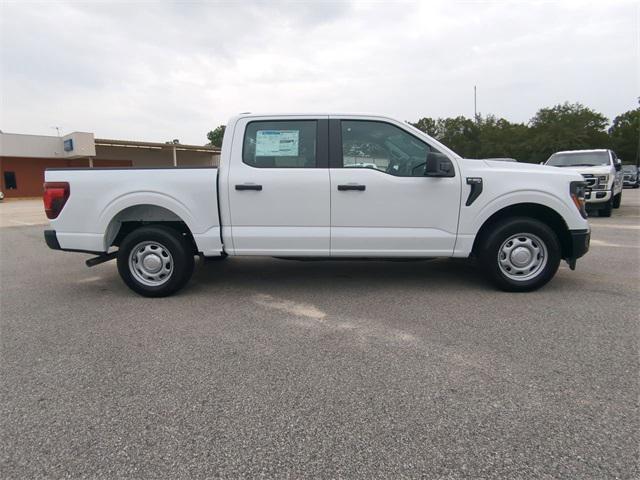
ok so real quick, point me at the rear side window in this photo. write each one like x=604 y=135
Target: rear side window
x=280 y=144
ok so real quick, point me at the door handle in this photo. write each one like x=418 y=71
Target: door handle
x=249 y=186
x=352 y=186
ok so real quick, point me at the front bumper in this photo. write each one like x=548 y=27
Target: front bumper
x=580 y=240
x=597 y=196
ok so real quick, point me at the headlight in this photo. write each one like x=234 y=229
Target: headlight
x=603 y=179
x=577 y=191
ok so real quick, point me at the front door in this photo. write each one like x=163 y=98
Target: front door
x=279 y=187
x=381 y=202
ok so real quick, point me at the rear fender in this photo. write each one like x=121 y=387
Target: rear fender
x=146 y=198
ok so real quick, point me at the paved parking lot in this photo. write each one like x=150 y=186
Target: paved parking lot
x=22 y=213
x=274 y=368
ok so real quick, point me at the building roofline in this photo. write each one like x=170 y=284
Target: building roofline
x=46 y=136
x=106 y=142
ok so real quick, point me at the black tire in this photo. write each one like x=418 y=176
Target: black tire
x=173 y=250
x=492 y=241
x=617 y=200
x=606 y=210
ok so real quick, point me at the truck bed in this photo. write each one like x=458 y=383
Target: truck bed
x=101 y=199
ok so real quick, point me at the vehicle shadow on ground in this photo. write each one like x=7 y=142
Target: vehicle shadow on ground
x=327 y=275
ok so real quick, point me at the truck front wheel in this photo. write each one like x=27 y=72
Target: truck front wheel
x=519 y=254
x=155 y=261
x=606 y=210
x=617 y=200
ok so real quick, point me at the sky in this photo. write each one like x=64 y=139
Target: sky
x=157 y=71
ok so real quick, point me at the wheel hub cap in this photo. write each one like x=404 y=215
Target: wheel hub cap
x=151 y=263
x=522 y=257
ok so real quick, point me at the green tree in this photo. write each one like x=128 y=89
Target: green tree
x=625 y=135
x=215 y=136
x=461 y=134
x=500 y=138
x=458 y=133
x=428 y=125
x=483 y=138
x=569 y=126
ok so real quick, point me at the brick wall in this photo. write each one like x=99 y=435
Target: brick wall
x=29 y=172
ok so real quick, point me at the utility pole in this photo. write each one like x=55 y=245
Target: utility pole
x=638 y=150
x=475 y=104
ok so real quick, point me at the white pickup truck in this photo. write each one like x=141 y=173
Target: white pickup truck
x=321 y=186
x=601 y=169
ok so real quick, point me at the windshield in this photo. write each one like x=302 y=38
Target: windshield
x=629 y=168
x=579 y=159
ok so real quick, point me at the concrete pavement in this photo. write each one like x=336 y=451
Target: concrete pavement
x=274 y=368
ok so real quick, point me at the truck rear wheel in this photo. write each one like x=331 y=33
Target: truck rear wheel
x=519 y=254
x=155 y=261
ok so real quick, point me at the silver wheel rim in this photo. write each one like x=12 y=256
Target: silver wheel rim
x=522 y=257
x=151 y=263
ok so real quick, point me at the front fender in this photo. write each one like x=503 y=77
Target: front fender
x=569 y=213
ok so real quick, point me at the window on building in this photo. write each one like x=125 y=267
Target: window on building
x=280 y=144
x=10 y=181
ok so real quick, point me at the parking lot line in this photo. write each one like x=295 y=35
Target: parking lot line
x=600 y=243
x=616 y=226
x=18 y=222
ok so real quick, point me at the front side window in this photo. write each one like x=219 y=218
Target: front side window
x=384 y=147
x=280 y=144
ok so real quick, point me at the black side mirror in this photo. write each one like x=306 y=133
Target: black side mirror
x=438 y=165
x=618 y=166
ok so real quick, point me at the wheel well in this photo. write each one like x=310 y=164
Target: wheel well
x=544 y=214
x=138 y=215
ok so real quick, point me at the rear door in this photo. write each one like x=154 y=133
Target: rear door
x=278 y=187
x=381 y=202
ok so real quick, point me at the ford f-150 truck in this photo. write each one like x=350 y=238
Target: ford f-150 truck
x=601 y=169
x=321 y=186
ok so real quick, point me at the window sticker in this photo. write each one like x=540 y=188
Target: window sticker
x=277 y=143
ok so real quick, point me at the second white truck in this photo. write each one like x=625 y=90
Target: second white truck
x=601 y=170
x=321 y=186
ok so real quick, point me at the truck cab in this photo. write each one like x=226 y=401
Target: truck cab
x=335 y=186
x=322 y=186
